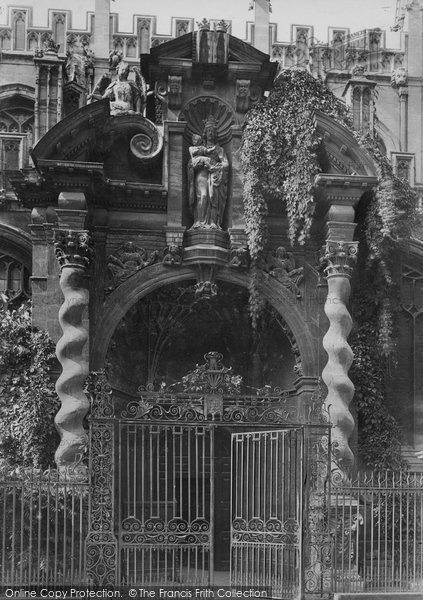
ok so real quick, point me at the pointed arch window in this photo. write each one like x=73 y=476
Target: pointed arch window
x=16 y=137
x=14 y=281
x=19 y=30
x=362 y=109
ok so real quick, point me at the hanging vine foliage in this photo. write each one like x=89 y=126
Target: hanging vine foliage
x=28 y=401
x=280 y=160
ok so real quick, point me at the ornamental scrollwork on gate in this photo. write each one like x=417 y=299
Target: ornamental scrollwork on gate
x=157 y=531
x=272 y=531
x=211 y=392
x=100 y=394
x=318 y=543
x=101 y=543
x=199 y=409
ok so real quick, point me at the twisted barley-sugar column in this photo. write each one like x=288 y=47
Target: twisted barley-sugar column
x=73 y=252
x=338 y=259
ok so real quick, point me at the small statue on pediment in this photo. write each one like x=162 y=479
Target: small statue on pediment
x=127 y=260
x=75 y=67
x=280 y=264
x=127 y=97
x=208 y=171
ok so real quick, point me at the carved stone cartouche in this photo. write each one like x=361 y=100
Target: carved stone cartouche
x=128 y=259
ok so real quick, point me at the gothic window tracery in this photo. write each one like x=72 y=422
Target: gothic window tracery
x=131 y=48
x=5 y=40
x=14 y=281
x=59 y=28
x=361 y=109
x=33 y=41
x=16 y=136
x=19 y=27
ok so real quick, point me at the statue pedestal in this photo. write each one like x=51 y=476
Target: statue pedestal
x=207 y=246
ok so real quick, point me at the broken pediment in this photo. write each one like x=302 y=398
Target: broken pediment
x=339 y=151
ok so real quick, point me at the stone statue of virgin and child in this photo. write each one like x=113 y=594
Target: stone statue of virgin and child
x=208 y=170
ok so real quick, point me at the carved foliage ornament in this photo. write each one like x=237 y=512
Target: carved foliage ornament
x=338 y=258
x=127 y=260
x=73 y=249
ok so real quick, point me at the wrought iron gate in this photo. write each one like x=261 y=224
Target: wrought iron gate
x=267 y=500
x=162 y=469
x=165 y=500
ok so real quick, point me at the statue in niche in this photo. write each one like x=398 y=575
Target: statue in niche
x=208 y=170
x=280 y=264
x=126 y=97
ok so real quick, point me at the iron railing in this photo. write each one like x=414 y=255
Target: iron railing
x=376 y=523
x=44 y=523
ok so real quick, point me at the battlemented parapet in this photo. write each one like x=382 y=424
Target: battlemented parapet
x=342 y=50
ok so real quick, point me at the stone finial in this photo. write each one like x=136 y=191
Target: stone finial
x=203 y=25
x=252 y=2
x=73 y=249
x=222 y=25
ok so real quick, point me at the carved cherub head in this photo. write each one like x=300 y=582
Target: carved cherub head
x=197 y=140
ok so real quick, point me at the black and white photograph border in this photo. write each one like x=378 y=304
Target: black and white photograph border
x=211 y=298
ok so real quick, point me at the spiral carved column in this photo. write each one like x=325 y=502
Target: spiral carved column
x=73 y=252
x=339 y=258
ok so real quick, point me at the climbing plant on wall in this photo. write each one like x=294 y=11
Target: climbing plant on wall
x=28 y=401
x=280 y=160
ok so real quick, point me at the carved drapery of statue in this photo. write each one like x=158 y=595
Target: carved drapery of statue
x=280 y=264
x=208 y=170
x=126 y=97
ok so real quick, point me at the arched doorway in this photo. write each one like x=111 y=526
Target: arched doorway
x=167 y=332
x=195 y=445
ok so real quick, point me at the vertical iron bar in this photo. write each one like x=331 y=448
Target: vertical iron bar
x=212 y=483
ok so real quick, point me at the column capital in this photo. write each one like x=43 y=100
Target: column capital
x=73 y=249
x=338 y=258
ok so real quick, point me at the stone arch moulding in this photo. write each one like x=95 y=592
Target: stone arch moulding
x=17 y=89
x=16 y=244
x=151 y=278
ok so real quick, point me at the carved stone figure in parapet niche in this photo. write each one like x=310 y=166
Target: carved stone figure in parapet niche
x=280 y=264
x=128 y=259
x=127 y=97
x=208 y=171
